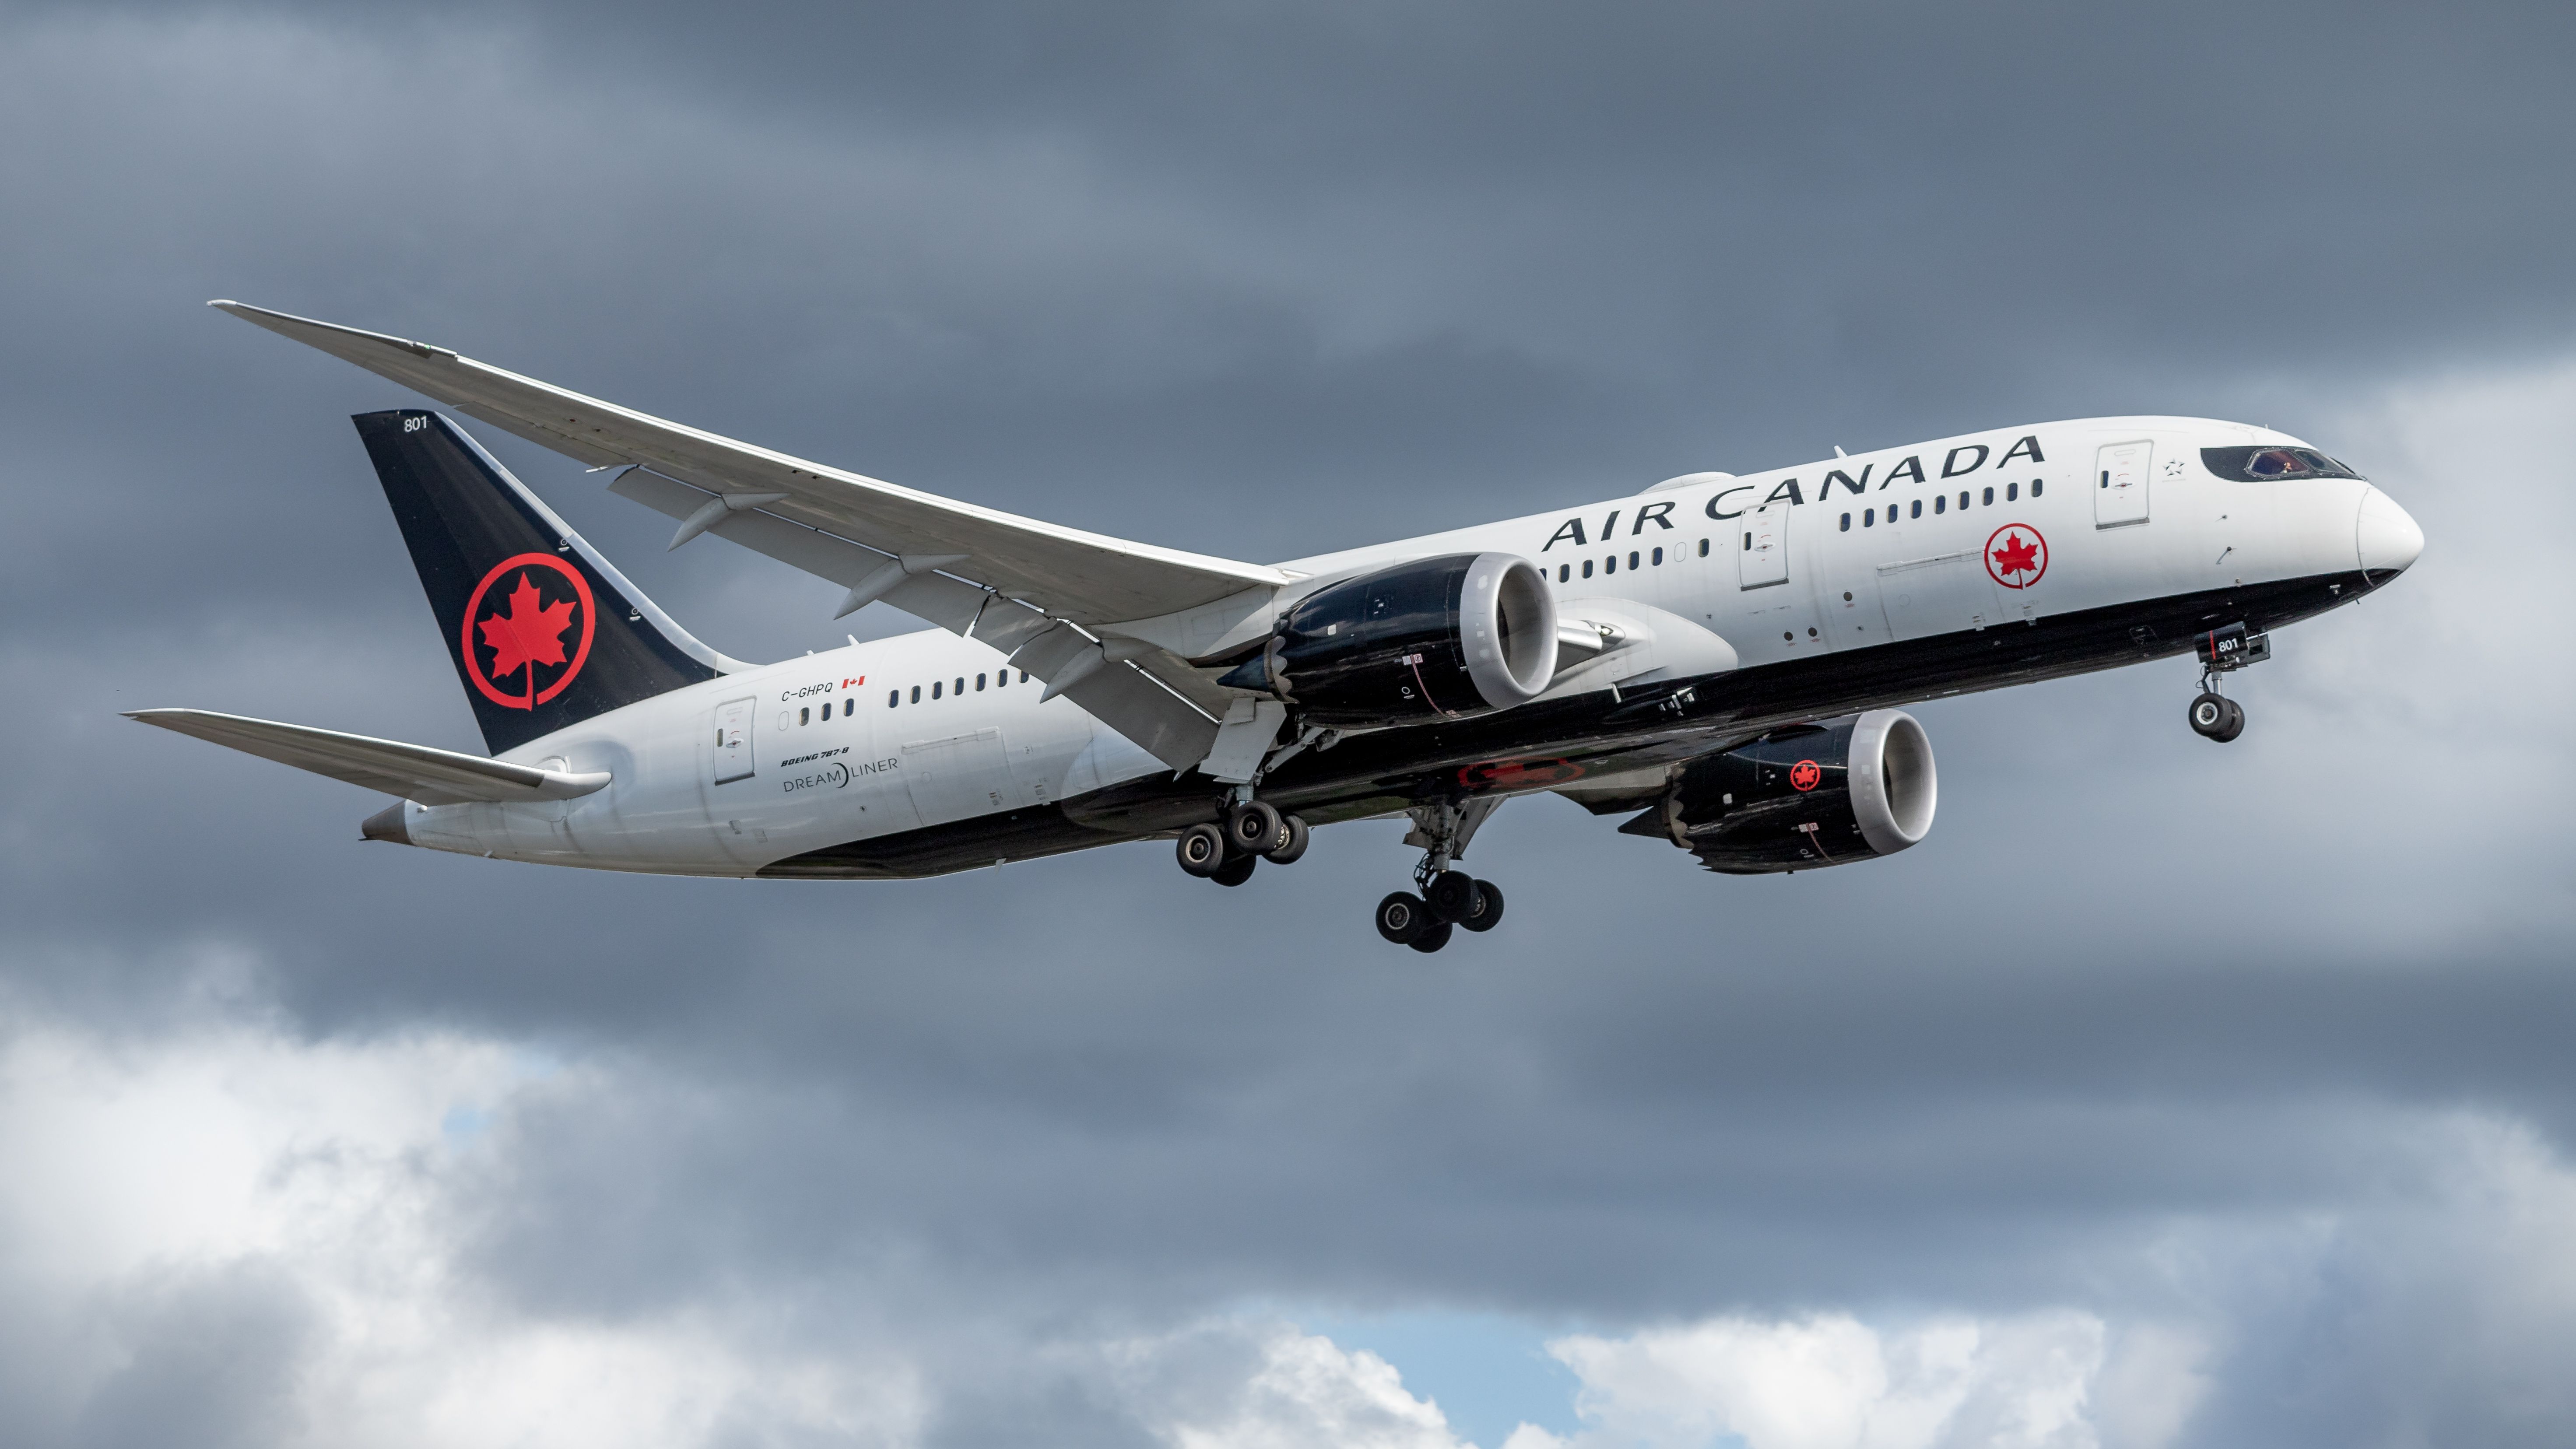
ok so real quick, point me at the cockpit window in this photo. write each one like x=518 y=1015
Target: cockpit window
x=2265 y=464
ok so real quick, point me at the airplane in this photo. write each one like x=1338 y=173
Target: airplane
x=1719 y=659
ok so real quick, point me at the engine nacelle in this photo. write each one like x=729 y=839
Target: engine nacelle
x=1805 y=797
x=1438 y=638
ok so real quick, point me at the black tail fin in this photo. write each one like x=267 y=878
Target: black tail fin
x=543 y=630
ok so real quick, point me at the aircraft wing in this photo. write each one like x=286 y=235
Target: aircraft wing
x=1086 y=578
x=415 y=772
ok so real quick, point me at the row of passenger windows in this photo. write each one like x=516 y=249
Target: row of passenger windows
x=1941 y=504
x=938 y=687
x=956 y=686
x=1610 y=565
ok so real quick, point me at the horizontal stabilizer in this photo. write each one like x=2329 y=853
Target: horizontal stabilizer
x=414 y=772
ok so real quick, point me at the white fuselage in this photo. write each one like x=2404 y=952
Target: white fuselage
x=927 y=729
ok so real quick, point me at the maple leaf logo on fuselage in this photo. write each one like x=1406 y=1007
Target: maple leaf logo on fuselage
x=526 y=633
x=2018 y=556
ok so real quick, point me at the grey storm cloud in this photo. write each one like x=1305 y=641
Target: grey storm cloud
x=2161 y=1032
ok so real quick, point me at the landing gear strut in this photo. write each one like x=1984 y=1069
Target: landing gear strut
x=2222 y=652
x=1450 y=899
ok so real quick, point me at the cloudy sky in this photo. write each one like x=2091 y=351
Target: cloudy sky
x=2170 y=1095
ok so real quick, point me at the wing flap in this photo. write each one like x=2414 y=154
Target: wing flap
x=414 y=772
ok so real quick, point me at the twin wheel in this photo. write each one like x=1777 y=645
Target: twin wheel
x=1252 y=833
x=2216 y=717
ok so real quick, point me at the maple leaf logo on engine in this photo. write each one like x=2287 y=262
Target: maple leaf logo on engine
x=2016 y=555
x=523 y=633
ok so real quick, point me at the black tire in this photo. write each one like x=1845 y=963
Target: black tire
x=1489 y=897
x=2209 y=715
x=1201 y=850
x=1235 y=871
x=1290 y=842
x=1402 y=918
x=1431 y=940
x=1251 y=827
x=1452 y=894
x=2235 y=723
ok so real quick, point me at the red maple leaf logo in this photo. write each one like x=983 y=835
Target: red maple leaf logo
x=528 y=632
x=1806 y=775
x=2018 y=556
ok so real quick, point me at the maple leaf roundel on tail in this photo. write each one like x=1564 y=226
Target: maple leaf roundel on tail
x=527 y=630
x=2016 y=555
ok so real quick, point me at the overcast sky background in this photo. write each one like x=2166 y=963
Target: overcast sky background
x=2170 y=1095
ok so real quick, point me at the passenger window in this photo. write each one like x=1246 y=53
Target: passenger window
x=1941 y=503
x=1587 y=568
x=893 y=698
x=1963 y=498
x=1610 y=565
x=1024 y=676
x=916 y=694
x=1564 y=572
x=979 y=684
x=1632 y=558
x=1001 y=677
x=1846 y=523
x=934 y=689
x=961 y=684
x=1918 y=508
x=1990 y=498
x=1868 y=517
x=1659 y=558
x=2011 y=492
x=2034 y=487
x=1703 y=548
x=804 y=716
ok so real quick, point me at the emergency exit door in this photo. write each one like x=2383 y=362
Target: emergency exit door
x=733 y=741
x=2120 y=483
x=1762 y=546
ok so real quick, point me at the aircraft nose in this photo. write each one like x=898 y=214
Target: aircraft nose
x=2385 y=536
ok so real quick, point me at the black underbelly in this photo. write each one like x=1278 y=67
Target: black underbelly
x=1555 y=741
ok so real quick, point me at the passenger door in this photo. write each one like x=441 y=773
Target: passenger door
x=957 y=777
x=1762 y=547
x=733 y=741
x=2120 y=483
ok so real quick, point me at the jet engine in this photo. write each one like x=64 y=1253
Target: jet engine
x=1438 y=638
x=1803 y=798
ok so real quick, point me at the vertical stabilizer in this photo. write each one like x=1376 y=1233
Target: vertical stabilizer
x=544 y=631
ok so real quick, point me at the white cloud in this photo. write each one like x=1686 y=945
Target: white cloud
x=1302 y=1389
x=1832 y=1382
x=161 y=1198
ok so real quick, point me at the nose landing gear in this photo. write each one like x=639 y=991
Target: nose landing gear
x=2222 y=652
x=2214 y=716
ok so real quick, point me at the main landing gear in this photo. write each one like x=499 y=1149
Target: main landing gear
x=2222 y=652
x=1253 y=831
x=1450 y=899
